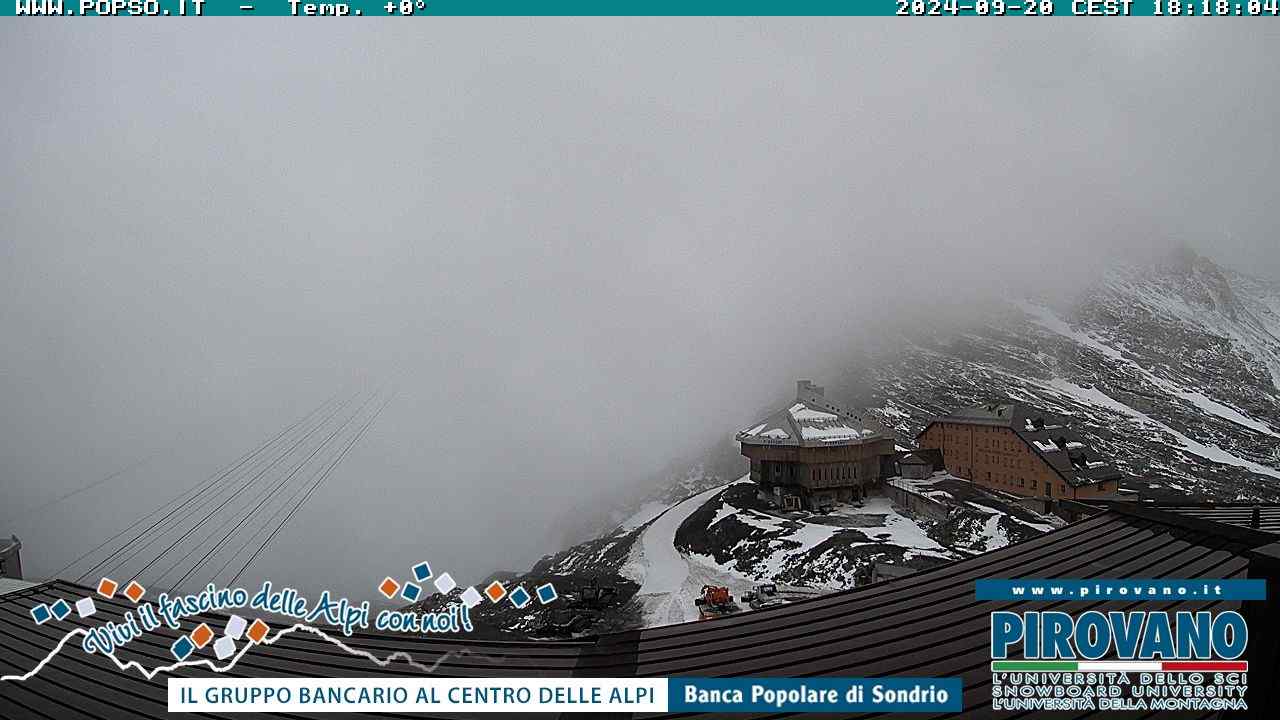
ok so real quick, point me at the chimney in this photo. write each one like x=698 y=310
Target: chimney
x=806 y=387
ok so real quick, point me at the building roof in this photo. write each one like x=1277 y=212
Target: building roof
x=9 y=544
x=1047 y=434
x=913 y=459
x=8 y=585
x=927 y=623
x=813 y=421
x=1249 y=515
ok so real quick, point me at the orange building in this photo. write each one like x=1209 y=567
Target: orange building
x=1018 y=449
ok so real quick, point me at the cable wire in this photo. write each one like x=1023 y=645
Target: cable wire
x=315 y=485
x=265 y=497
x=195 y=488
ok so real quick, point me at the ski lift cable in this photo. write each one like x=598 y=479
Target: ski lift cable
x=183 y=511
x=265 y=496
x=319 y=481
x=253 y=537
x=195 y=488
x=257 y=470
x=242 y=488
x=27 y=514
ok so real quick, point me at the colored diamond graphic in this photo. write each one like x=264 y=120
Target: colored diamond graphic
x=546 y=593
x=135 y=591
x=41 y=614
x=235 y=627
x=470 y=597
x=258 y=630
x=445 y=583
x=107 y=588
x=411 y=592
x=224 y=647
x=495 y=591
x=422 y=572
x=182 y=648
x=201 y=635
x=85 y=607
x=520 y=597
x=60 y=609
x=388 y=588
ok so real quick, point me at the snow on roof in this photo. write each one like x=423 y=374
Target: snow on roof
x=802 y=413
x=1045 y=446
x=813 y=420
x=829 y=432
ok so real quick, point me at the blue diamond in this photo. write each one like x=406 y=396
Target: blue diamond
x=422 y=572
x=520 y=597
x=411 y=592
x=60 y=609
x=40 y=614
x=182 y=648
x=546 y=593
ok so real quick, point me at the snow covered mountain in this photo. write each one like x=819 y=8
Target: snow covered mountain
x=1172 y=369
x=657 y=562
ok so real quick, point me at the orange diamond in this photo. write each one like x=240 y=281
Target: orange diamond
x=135 y=591
x=389 y=588
x=201 y=635
x=495 y=591
x=107 y=588
x=258 y=630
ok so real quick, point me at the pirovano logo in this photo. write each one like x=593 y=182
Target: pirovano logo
x=1124 y=660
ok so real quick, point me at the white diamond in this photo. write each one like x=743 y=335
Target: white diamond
x=224 y=647
x=235 y=627
x=445 y=583
x=470 y=597
x=85 y=607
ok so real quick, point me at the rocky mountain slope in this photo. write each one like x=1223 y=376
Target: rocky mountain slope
x=656 y=563
x=1170 y=369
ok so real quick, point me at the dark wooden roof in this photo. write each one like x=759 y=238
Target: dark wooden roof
x=927 y=623
x=1240 y=514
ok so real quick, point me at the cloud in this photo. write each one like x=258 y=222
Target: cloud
x=584 y=247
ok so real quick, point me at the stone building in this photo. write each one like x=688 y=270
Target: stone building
x=816 y=452
x=1018 y=449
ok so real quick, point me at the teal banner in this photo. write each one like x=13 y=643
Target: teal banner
x=427 y=8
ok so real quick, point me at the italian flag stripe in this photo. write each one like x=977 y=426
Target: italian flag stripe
x=1118 y=666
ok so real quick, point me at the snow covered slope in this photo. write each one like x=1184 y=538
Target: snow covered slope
x=1170 y=369
x=726 y=535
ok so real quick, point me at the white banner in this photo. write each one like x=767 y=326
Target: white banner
x=229 y=695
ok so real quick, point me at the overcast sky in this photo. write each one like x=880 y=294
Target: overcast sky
x=580 y=247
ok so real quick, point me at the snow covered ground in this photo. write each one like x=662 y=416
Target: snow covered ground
x=667 y=582
x=749 y=545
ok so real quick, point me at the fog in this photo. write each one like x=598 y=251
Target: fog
x=576 y=248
